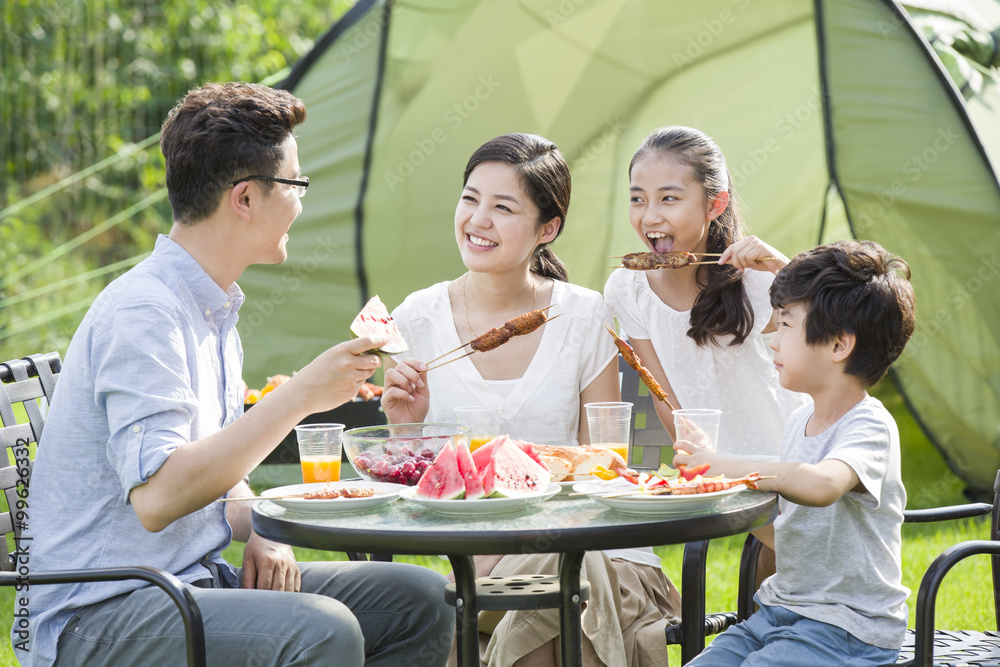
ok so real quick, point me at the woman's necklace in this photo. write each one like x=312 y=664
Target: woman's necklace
x=534 y=291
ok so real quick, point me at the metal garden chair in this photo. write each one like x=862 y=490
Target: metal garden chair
x=22 y=383
x=924 y=646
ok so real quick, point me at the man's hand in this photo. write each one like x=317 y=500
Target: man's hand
x=406 y=399
x=270 y=566
x=335 y=376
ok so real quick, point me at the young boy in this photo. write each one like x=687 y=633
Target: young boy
x=844 y=314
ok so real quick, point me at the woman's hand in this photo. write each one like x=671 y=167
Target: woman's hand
x=750 y=253
x=405 y=397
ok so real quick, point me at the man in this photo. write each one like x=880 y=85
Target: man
x=146 y=432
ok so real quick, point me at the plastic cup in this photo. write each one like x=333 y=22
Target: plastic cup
x=483 y=422
x=699 y=426
x=319 y=451
x=610 y=425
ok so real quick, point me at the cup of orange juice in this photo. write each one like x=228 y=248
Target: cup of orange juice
x=319 y=451
x=483 y=422
x=609 y=425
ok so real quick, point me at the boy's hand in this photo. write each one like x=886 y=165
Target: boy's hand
x=406 y=398
x=750 y=253
x=689 y=455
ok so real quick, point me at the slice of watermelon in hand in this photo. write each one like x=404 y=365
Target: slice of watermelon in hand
x=375 y=322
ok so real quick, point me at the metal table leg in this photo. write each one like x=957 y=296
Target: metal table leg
x=466 y=616
x=571 y=631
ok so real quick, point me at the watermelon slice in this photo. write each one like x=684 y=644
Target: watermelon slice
x=442 y=479
x=473 y=487
x=374 y=321
x=483 y=455
x=511 y=473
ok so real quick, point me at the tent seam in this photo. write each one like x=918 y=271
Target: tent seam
x=301 y=67
x=359 y=211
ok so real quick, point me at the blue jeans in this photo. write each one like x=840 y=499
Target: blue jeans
x=777 y=637
x=391 y=614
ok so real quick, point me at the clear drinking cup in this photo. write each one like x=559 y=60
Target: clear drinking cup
x=699 y=426
x=319 y=451
x=483 y=422
x=610 y=425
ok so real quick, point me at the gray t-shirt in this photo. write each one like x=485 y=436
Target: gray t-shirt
x=841 y=564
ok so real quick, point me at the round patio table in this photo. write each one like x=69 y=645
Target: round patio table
x=565 y=525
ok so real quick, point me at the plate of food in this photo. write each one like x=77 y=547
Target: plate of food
x=624 y=496
x=482 y=506
x=333 y=496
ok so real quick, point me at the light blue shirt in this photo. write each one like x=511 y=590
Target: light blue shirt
x=156 y=362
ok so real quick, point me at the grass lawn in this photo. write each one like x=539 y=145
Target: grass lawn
x=965 y=600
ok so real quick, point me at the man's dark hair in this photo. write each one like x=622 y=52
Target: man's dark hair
x=853 y=287
x=220 y=133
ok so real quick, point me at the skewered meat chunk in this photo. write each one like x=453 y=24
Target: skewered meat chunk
x=491 y=340
x=647 y=261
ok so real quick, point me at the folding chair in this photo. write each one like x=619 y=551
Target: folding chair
x=23 y=382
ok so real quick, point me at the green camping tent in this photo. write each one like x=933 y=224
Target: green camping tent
x=839 y=119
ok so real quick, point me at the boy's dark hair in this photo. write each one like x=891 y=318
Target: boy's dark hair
x=220 y=133
x=545 y=178
x=853 y=287
x=722 y=307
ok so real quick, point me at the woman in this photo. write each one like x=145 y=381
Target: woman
x=514 y=201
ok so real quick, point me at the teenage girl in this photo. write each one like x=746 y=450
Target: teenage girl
x=702 y=331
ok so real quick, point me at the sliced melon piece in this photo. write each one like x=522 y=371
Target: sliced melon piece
x=473 y=487
x=442 y=480
x=374 y=321
x=511 y=473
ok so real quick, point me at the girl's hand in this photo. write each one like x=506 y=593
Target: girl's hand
x=406 y=398
x=750 y=253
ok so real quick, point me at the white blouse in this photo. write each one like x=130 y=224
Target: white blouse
x=739 y=380
x=543 y=406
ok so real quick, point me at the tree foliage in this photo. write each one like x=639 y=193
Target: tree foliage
x=83 y=84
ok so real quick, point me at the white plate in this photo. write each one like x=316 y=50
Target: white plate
x=650 y=504
x=389 y=492
x=481 y=507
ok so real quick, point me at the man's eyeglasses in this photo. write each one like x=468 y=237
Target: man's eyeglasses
x=300 y=184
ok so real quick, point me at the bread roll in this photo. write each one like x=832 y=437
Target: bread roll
x=575 y=463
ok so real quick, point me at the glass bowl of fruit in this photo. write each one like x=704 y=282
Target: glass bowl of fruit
x=398 y=453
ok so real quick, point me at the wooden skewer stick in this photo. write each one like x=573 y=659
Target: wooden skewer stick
x=296 y=495
x=759 y=259
x=445 y=363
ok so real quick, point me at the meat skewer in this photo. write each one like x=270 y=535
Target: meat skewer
x=494 y=338
x=319 y=494
x=632 y=359
x=675 y=259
